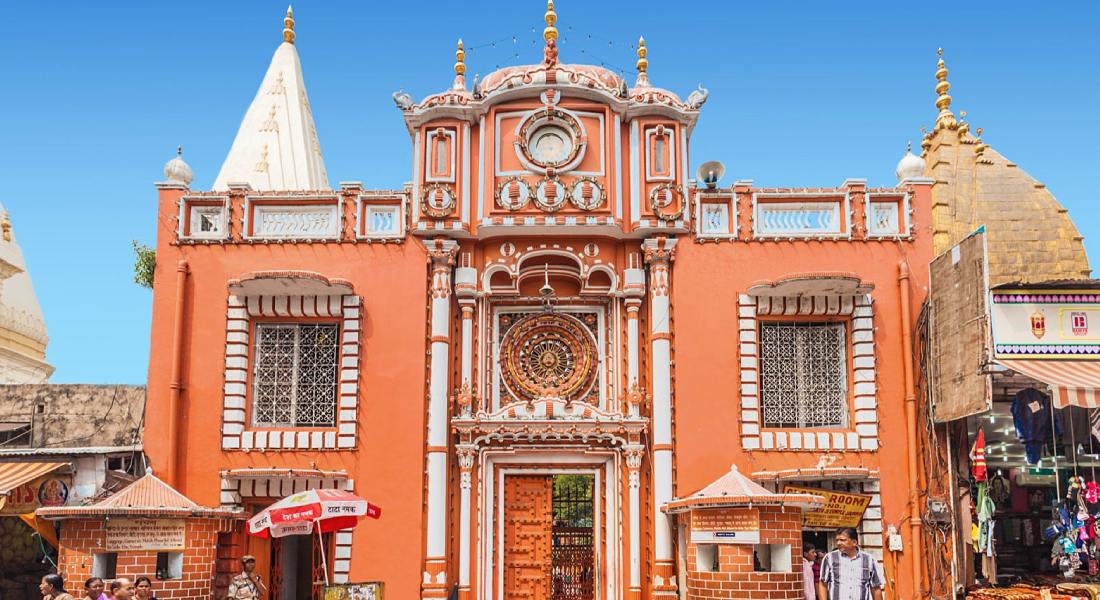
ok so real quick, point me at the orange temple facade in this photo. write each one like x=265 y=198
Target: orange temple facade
x=554 y=331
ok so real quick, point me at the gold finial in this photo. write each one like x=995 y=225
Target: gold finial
x=550 y=33
x=288 y=26
x=460 y=67
x=460 y=59
x=979 y=150
x=642 y=63
x=964 y=129
x=925 y=141
x=5 y=227
x=943 y=100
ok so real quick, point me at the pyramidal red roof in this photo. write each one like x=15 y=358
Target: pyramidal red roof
x=148 y=496
x=734 y=489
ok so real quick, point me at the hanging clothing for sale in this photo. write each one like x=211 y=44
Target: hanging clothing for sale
x=984 y=540
x=1031 y=415
x=977 y=457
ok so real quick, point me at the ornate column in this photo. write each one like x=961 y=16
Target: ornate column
x=633 y=454
x=466 y=291
x=466 y=454
x=658 y=256
x=442 y=255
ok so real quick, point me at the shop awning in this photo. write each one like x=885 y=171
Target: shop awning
x=1072 y=382
x=15 y=474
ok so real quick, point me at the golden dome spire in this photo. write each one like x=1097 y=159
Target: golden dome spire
x=460 y=67
x=288 y=26
x=550 y=34
x=643 y=63
x=943 y=101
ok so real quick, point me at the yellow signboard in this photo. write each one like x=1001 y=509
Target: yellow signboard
x=840 y=510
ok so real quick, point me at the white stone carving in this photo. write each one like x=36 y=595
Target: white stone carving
x=271 y=221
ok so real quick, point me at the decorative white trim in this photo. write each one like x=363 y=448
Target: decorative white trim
x=237 y=434
x=429 y=147
x=862 y=432
x=605 y=466
x=670 y=134
x=904 y=216
x=564 y=169
x=190 y=204
x=730 y=215
x=307 y=217
x=842 y=211
x=365 y=208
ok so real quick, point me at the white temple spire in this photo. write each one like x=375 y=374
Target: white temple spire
x=276 y=147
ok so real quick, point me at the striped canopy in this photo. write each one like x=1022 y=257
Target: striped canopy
x=1071 y=382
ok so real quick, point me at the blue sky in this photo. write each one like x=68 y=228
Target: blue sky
x=96 y=96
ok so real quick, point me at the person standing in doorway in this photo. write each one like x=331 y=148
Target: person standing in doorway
x=849 y=573
x=247 y=585
x=809 y=584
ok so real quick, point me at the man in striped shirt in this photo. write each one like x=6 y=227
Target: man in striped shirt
x=849 y=573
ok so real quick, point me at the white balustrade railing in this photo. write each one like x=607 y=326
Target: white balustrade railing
x=798 y=218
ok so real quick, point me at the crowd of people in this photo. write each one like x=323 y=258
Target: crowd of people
x=53 y=588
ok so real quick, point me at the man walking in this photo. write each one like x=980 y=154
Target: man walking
x=849 y=573
x=247 y=585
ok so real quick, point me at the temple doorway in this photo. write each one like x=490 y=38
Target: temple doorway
x=549 y=537
x=296 y=567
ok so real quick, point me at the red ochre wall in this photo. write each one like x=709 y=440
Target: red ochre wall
x=82 y=538
x=388 y=462
x=707 y=280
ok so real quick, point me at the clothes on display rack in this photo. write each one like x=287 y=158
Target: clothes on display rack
x=1031 y=415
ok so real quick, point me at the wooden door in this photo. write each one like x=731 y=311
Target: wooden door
x=528 y=521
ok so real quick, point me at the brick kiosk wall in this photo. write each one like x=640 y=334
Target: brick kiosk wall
x=82 y=538
x=735 y=577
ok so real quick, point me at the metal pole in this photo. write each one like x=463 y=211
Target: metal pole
x=321 y=542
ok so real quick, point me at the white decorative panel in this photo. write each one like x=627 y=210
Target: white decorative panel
x=798 y=218
x=293 y=218
x=883 y=219
x=714 y=219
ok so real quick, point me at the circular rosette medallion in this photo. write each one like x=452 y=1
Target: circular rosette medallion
x=587 y=194
x=549 y=354
x=438 y=200
x=550 y=195
x=667 y=201
x=513 y=193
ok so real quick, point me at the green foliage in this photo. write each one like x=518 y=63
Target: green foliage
x=145 y=261
x=573 y=500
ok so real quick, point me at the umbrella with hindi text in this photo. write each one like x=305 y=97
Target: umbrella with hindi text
x=303 y=513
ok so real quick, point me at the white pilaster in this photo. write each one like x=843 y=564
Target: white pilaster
x=658 y=255
x=442 y=256
x=633 y=454
x=466 y=456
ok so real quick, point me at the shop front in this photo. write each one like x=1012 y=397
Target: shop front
x=1031 y=488
x=28 y=547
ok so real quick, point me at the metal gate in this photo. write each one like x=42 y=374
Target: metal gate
x=573 y=565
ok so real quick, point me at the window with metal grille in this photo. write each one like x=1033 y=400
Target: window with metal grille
x=294 y=375
x=803 y=375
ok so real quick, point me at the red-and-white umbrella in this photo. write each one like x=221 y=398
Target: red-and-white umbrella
x=312 y=510
x=323 y=510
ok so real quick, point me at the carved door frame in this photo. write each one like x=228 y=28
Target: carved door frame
x=604 y=464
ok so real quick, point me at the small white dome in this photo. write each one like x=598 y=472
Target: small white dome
x=909 y=166
x=178 y=171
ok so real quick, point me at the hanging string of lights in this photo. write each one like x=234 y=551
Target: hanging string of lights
x=514 y=43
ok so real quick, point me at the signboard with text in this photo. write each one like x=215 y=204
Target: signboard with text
x=371 y=590
x=725 y=526
x=164 y=535
x=1045 y=324
x=841 y=509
